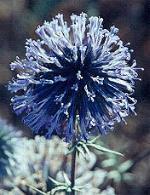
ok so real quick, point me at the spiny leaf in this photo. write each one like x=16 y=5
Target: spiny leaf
x=58 y=188
x=94 y=139
x=81 y=151
x=78 y=188
x=103 y=149
x=66 y=179
x=37 y=190
x=85 y=148
x=56 y=182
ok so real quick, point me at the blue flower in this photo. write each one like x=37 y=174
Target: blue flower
x=75 y=81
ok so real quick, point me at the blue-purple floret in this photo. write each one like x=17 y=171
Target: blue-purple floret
x=75 y=81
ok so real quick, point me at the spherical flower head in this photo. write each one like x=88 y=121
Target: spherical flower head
x=75 y=81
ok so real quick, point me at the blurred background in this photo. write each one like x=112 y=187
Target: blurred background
x=18 y=21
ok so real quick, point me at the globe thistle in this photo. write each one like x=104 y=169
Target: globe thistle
x=38 y=159
x=8 y=140
x=75 y=81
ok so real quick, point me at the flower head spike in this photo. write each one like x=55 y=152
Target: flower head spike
x=80 y=72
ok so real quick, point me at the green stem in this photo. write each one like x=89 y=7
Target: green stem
x=73 y=167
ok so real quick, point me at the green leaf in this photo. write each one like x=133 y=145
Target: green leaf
x=58 y=188
x=37 y=190
x=84 y=146
x=68 y=182
x=103 y=149
x=125 y=166
x=69 y=189
x=80 y=150
x=108 y=163
x=114 y=175
x=94 y=140
x=57 y=183
x=78 y=188
x=71 y=149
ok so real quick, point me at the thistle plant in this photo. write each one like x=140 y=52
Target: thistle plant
x=117 y=169
x=76 y=81
x=8 y=136
x=41 y=168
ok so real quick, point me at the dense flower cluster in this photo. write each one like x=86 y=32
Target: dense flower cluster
x=36 y=160
x=8 y=137
x=76 y=80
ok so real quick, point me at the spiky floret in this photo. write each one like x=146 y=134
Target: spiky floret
x=8 y=139
x=80 y=72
